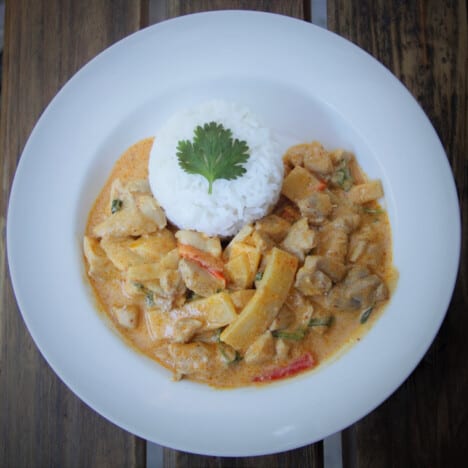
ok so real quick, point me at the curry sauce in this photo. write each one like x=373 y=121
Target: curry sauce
x=282 y=296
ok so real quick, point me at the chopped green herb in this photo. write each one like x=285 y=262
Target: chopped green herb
x=297 y=335
x=149 y=298
x=365 y=315
x=342 y=176
x=214 y=154
x=321 y=321
x=139 y=286
x=259 y=276
x=116 y=205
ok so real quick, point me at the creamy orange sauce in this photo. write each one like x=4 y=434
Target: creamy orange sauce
x=233 y=370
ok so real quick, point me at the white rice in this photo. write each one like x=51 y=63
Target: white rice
x=233 y=203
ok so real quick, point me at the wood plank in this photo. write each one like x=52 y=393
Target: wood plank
x=425 y=423
x=41 y=422
x=165 y=9
x=310 y=456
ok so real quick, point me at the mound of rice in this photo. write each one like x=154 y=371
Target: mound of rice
x=233 y=203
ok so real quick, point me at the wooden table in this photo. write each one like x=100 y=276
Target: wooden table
x=424 y=42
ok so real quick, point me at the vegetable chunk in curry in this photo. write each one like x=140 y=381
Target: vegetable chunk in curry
x=280 y=297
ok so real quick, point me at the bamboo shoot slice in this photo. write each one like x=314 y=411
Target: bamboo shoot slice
x=261 y=310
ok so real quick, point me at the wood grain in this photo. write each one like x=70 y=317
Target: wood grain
x=41 y=422
x=166 y=9
x=425 y=423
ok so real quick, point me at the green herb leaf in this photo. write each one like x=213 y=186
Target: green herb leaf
x=149 y=298
x=365 y=315
x=116 y=205
x=297 y=335
x=321 y=321
x=259 y=276
x=214 y=154
x=342 y=176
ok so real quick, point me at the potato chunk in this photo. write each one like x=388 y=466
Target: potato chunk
x=300 y=183
x=215 y=311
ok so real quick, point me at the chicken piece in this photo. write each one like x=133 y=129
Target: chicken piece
x=368 y=246
x=316 y=207
x=165 y=268
x=171 y=326
x=274 y=226
x=332 y=268
x=302 y=308
x=261 y=350
x=211 y=245
x=366 y=192
x=157 y=324
x=311 y=281
x=333 y=243
x=144 y=272
x=155 y=296
x=190 y=358
x=98 y=263
x=127 y=316
x=184 y=329
x=300 y=239
x=284 y=319
x=287 y=210
x=294 y=156
x=129 y=222
x=348 y=222
x=154 y=246
x=126 y=219
x=151 y=210
x=360 y=289
x=334 y=238
x=316 y=159
x=119 y=253
x=261 y=241
x=199 y=280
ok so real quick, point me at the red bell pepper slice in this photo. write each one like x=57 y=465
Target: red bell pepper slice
x=306 y=361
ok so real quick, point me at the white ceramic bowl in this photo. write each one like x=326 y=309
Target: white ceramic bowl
x=306 y=83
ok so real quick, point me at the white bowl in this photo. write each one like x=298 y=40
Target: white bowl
x=306 y=83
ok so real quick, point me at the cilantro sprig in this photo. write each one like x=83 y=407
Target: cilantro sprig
x=214 y=154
